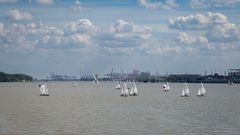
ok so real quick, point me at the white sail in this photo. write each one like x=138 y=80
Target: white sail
x=135 y=90
x=122 y=92
x=46 y=90
x=199 y=92
x=125 y=89
x=168 y=86
x=95 y=79
x=186 y=89
x=131 y=91
x=42 y=89
x=118 y=86
x=203 y=91
x=183 y=92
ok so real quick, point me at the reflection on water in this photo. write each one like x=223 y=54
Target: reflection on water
x=91 y=109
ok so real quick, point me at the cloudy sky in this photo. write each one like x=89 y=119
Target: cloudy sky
x=93 y=36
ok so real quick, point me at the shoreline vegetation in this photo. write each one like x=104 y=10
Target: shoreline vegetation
x=5 y=77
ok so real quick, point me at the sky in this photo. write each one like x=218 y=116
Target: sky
x=38 y=37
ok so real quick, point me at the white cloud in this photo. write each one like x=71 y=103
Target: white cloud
x=76 y=34
x=197 y=21
x=77 y=6
x=123 y=34
x=185 y=38
x=43 y=1
x=19 y=15
x=122 y=29
x=81 y=25
x=212 y=3
x=8 y=1
x=169 y=4
x=228 y=32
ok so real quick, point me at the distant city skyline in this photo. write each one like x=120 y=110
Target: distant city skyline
x=38 y=37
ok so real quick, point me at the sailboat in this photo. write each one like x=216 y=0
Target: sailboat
x=201 y=91
x=124 y=92
x=95 y=79
x=185 y=92
x=118 y=87
x=43 y=90
x=166 y=87
x=134 y=91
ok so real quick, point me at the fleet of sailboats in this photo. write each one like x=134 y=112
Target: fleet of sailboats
x=133 y=90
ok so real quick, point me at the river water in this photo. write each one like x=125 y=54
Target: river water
x=97 y=109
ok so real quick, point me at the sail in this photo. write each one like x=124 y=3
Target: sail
x=46 y=90
x=168 y=87
x=186 y=89
x=125 y=89
x=183 y=92
x=118 y=86
x=42 y=89
x=135 y=88
x=203 y=91
x=95 y=79
x=131 y=91
x=199 y=92
x=122 y=92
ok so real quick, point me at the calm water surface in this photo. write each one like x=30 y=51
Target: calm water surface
x=97 y=109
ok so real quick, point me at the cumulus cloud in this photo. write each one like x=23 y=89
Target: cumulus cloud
x=185 y=38
x=228 y=32
x=123 y=30
x=43 y=1
x=197 y=21
x=81 y=25
x=123 y=34
x=212 y=3
x=19 y=15
x=168 y=4
x=77 y=6
x=32 y=35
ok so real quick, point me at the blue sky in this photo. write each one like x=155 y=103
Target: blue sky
x=77 y=36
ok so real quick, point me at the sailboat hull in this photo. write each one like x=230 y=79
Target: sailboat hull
x=44 y=94
x=134 y=94
x=124 y=95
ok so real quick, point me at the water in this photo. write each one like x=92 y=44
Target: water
x=97 y=109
